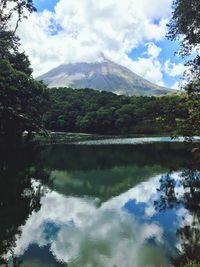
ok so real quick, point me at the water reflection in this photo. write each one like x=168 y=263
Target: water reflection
x=127 y=230
x=81 y=233
x=103 y=208
x=107 y=171
x=19 y=170
x=183 y=193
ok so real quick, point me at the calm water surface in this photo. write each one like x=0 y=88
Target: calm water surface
x=130 y=204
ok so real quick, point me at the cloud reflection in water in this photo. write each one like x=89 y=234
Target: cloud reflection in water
x=123 y=231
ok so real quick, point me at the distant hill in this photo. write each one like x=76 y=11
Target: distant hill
x=103 y=76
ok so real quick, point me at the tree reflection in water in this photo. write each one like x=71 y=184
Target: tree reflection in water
x=183 y=192
x=18 y=197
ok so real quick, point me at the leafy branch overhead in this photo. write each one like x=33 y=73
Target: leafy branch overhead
x=17 y=9
x=184 y=26
x=23 y=100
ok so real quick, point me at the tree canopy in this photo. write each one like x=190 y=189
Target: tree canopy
x=91 y=111
x=184 y=24
x=23 y=100
x=185 y=27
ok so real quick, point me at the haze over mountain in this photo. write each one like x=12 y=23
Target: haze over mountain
x=104 y=76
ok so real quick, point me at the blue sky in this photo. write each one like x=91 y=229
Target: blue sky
x=130 y=32
x=45 y=4
x=169 y=49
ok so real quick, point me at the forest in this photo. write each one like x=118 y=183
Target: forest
x=91 y=111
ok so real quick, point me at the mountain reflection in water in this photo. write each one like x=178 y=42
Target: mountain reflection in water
x=131 y=206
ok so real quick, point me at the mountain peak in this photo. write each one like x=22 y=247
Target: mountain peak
x=104 y=58
x=103 y=75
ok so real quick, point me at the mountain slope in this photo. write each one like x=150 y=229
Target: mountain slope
x=105 y=75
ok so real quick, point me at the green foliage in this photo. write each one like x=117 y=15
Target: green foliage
x=22 y=99
x=190 y=126
x=184 y=24
x=185 y=27
x=9 y=50
x=21 y=102
x=91 y=111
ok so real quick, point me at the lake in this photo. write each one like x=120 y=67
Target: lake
x=125 y=202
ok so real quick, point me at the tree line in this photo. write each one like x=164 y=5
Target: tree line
x=91 y=111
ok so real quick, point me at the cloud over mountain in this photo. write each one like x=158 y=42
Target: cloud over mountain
x=80 y=30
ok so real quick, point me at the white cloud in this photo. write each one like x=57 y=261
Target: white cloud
x=153 y=50
x=149 y=68
x=173 y=69
x=176 y=70
x=90 y=27
x=179 y=85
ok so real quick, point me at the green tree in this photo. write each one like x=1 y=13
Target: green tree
x=125 y=118
x=185 y=27
x=22 y=102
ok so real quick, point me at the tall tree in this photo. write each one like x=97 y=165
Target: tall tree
x=22 y=99
x=185 y=27
x=22 y=102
